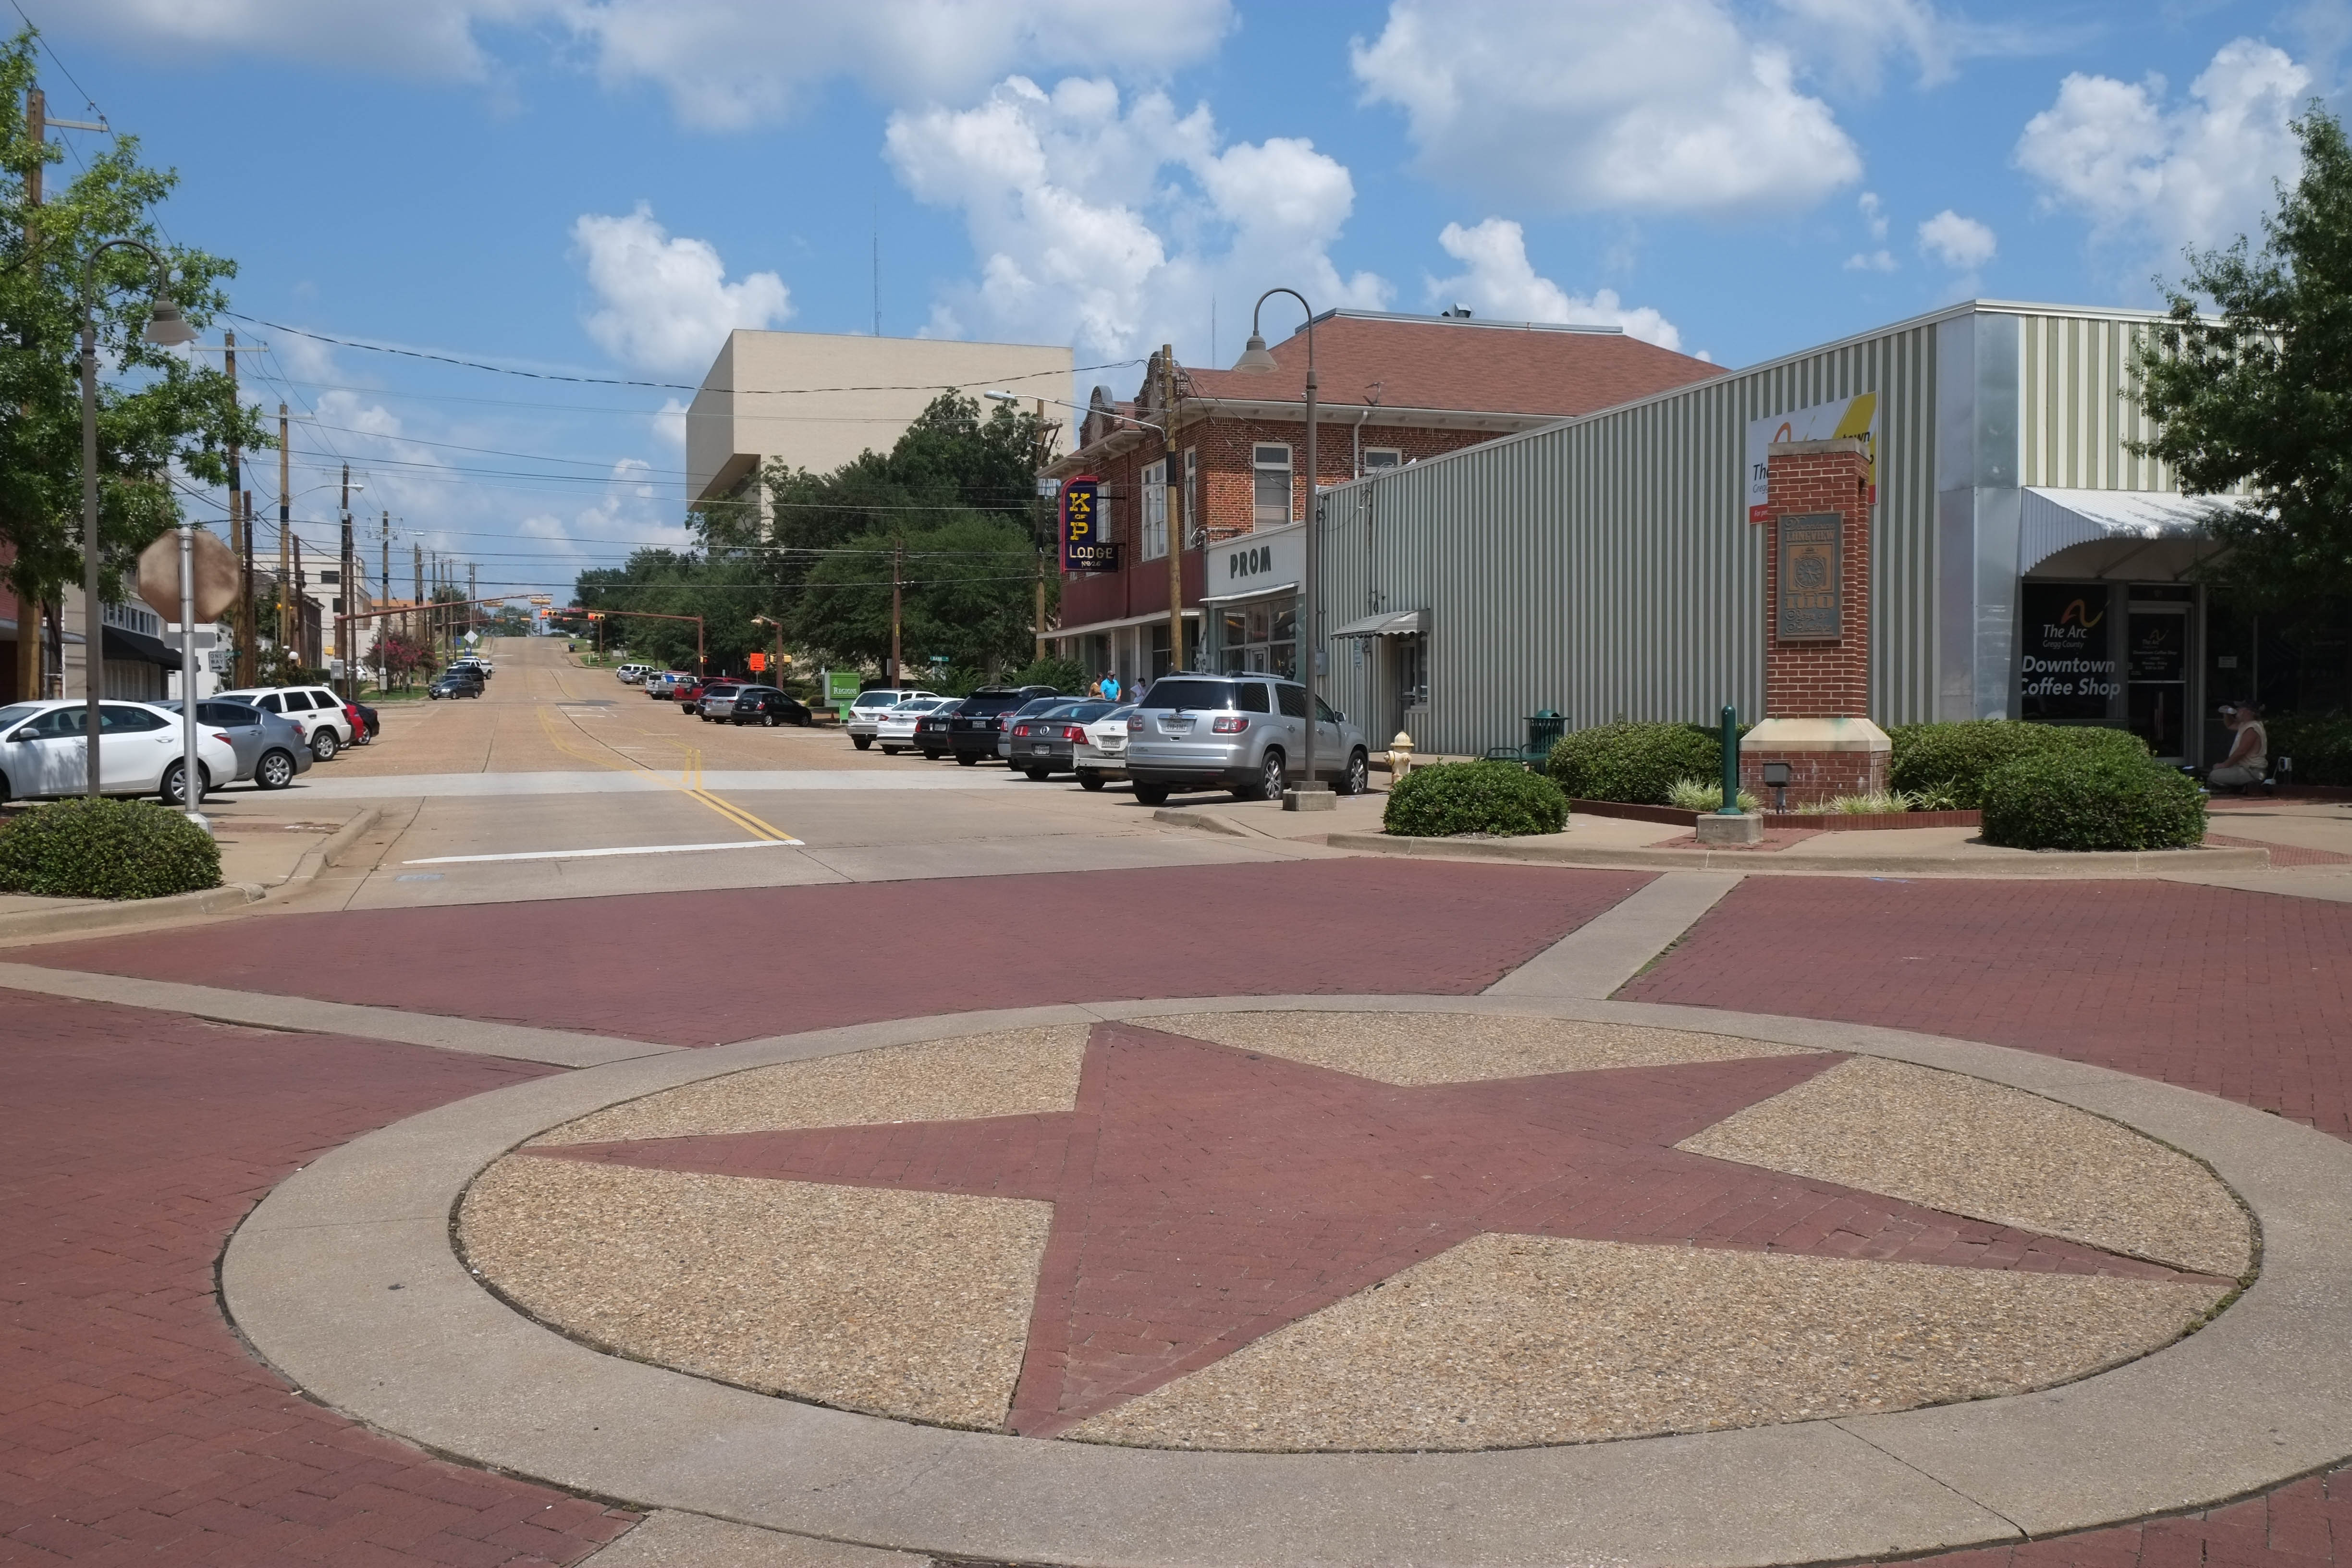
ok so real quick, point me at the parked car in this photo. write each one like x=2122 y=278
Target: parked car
x=663 y=687
x=268 y=746
x=932 y=729
x=43 y=751
x=631 y=674
x=365 y=722
x=763 y=705
x=895 y=731
x=1239 y=732
x=475 y=662
x=326 y=725
x=977 y=728
x=1042 y=743
x=1099 y=755
x=455 y=683
x=690 y=695
x=1033 y=709
x=865 y=713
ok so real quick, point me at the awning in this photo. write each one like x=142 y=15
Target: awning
x=139 y=648
x=1387 y=624
x=1250 y=594
x=2051 y=520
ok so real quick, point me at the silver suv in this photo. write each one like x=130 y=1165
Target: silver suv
x=1245 y=734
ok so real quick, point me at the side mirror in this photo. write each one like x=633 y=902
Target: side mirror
x=1338 y=717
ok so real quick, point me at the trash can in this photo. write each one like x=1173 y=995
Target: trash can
x=1544 y=730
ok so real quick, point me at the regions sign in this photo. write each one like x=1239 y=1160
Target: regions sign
x=1856 y=415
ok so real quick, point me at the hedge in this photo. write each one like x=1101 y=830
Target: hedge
x=1956 y=762
x=106 y=850
x=2320 y=743
x=1635 y=763
x=2087 y=799
x=1448 y=798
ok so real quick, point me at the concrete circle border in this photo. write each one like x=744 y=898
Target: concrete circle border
x=344 y=1280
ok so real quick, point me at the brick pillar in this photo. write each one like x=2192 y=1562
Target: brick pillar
x=1817 y=631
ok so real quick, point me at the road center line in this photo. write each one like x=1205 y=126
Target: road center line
x=590 y=854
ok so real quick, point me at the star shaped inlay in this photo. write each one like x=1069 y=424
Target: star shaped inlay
x=1204 y=1195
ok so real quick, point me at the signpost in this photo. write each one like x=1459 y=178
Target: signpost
x=186 y=577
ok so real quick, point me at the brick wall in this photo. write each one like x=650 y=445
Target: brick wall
x=1828 y=677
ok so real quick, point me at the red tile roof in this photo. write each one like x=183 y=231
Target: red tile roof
x=1470 y=365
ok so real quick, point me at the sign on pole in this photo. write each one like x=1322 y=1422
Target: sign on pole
x=757 y=661
x=1084 y=548
x=159 y=577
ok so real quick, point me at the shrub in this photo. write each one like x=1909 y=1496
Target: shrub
x=106 y=850
x=2085 y=799
x=1952 y=762
x=1061 y=674
x=2320 y=743
x=1881 y=803
x=1690 y=794
x=1448 y=798
x=1635 y=763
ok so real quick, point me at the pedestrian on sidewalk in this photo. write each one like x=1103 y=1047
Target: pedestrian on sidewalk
x=1110 y=689
x=2250 y=754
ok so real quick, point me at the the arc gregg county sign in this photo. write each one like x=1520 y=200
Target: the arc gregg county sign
x=1084 y=546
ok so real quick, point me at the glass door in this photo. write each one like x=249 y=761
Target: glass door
x=2158 y=671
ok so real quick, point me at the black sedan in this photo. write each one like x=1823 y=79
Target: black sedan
x=977 y=725
x=766 y=706
x=1041 y=741
x=932 y=729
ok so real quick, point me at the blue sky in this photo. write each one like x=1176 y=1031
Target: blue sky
x=602 y=187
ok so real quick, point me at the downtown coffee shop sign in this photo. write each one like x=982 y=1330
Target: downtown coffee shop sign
x=2066 y=664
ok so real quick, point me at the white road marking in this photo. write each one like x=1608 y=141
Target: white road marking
x=383 y=786
x=591 y=854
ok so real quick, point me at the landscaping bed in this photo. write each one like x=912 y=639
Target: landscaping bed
x=1826 y=822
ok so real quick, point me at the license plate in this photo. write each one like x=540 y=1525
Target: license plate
x=1176 y=726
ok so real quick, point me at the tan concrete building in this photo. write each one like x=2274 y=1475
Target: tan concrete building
x=815 y=400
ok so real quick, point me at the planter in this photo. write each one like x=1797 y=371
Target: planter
x=1826 y=822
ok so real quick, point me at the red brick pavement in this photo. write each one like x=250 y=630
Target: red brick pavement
x=1205 y=1196
x=2306 y=1524
x=2245 y=996
x=695 y=969
x=135 y=1426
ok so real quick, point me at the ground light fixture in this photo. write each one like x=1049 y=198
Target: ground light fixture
x=167 y=328
x=1258 y=360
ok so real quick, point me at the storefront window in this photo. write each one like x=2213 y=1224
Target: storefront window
x=1154 y=542
x=1271 y=464
x=2066 y=663
x=1413 y=670
x=1258 y=640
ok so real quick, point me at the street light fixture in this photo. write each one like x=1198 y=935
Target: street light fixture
x=168 y=329
x=776 y=674
x=1258 y=360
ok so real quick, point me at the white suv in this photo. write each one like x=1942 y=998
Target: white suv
x=631 y=674
x=318 y=712
x=865 y=713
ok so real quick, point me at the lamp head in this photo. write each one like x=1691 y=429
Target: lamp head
x=166 y=326
x=1256 y=358
x=1000 y=397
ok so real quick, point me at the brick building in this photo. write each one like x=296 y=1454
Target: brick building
x=1212 y=461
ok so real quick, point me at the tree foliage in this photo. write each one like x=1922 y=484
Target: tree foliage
x=2260 y=393
x=156 y=409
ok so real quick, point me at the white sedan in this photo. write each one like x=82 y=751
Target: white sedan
x=894 y=732
x=42 y=751
x=1102 y=755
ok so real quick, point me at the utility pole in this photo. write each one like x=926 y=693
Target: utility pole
x=472 y=595
x=384 y=668
x=1041 y=605
x=897 y=571
x=285 y=530
x=240 y=539
x=345 y=597
x=1174 y=527
x=420 y=617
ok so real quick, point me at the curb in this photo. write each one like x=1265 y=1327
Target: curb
x=1207 y=822
x=83 y=916
x=2051 y=863
x=330 y=852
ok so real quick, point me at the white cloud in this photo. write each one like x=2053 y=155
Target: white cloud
x=1873 y=213
x=1499 y=280
x=724 y=64
x=2195 y=173
x=1880 y=260
x=730 y=63
x=665 y=304
x=1112 y=226
x=1640 y=105
x=1960 y=243
x=669 y=425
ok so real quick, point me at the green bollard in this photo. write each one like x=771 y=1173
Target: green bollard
x=1731 y=807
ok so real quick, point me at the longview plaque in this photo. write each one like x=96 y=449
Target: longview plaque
x=1810 y=607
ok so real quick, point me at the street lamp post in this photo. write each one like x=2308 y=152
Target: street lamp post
x=1256 y=359
x=776 y=674
x=165 y=326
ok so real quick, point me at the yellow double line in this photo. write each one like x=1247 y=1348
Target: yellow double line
x=689 y=782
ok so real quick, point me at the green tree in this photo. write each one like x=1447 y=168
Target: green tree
x=156 y=409
x=967 y=594
x=2259 y=394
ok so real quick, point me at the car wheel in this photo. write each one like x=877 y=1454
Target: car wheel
x=325 y=743
x=1151 y=794
x=965 y=760
x=930 y=756
x=862 y=741
x=274 y=770
x=892 y=751
x=1272 y=776
x=1089 y=779
x=1357 y=779
x=433 y=696
x=174 y=787
x=1038 y=775
x=804 y=720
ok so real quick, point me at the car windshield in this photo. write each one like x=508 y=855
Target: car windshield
x=1038 y=708
x=1182 y=694
x=1086 y=712
x=16 y=713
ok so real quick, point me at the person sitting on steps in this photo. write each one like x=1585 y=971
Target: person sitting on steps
x=2249 y=757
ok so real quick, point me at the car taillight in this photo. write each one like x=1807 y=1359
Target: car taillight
x=1073 y=732
x=1232 y=726
x=223 y=739
x=1020 y=729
